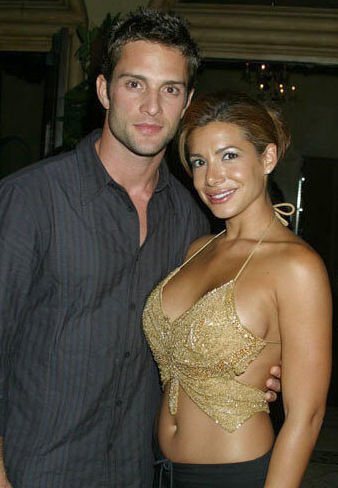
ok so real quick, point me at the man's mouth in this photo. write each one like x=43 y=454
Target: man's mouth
x=148 y=129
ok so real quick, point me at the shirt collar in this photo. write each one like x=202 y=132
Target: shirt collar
x=163 y=178
x=93 y=175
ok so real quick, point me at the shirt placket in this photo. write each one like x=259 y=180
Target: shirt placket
x=126 y=353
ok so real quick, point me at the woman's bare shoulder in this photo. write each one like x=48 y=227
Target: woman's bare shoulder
x=299 y=260
x=198 y=244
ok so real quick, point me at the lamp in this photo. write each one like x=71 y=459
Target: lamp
x=270 y=81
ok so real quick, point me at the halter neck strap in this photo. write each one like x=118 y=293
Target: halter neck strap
x=203 y=247
x=278 y=213
x=255 y=247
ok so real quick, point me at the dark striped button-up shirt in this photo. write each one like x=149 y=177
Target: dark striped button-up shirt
x=79 y=388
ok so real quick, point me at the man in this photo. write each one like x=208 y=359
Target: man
x=84 y=238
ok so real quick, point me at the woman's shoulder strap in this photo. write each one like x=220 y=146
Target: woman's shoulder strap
x=200 y=249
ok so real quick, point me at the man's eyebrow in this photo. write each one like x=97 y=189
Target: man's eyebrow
x=131 y=75
x=175 y=82
x=144 y=78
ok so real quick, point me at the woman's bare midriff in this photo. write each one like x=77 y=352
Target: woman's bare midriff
x=191 y=436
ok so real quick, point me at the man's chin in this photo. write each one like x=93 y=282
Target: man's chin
x=147 y=150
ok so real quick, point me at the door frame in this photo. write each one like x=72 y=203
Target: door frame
x=31 y=25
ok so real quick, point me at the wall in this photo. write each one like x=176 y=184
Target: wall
x=98 y=10
x=312 y=117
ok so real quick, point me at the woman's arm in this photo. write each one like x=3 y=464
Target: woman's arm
x=304 y=308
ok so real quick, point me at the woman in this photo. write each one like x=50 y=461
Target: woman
x=242 y=300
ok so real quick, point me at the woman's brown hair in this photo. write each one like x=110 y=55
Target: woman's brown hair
x=260 y=124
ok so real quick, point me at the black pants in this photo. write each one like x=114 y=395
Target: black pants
x=248 y=474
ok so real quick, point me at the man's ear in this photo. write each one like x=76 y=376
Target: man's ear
x=270 y=158
x=188 y=101
x=102 y=91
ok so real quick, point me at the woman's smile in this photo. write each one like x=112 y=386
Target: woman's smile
x=228 y=173
x=220 y=196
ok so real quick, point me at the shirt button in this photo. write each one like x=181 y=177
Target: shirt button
x=127 y=354
x=118 y=403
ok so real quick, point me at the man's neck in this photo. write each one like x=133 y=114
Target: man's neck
x=137 y=174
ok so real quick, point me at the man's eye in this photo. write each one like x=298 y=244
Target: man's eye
x=172 y=90
x=133 y=84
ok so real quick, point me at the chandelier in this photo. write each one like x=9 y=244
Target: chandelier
x=270 y=81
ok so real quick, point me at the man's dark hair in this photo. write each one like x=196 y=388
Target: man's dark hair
x=147 y=24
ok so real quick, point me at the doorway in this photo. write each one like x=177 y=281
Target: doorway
x=319 y=227
x=32 y=86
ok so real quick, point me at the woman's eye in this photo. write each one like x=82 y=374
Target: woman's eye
x=230 y=155
x=196 y=163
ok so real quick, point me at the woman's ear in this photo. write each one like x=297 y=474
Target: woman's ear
x=102 y=91
x=270 y=158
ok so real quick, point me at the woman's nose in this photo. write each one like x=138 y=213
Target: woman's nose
x=215 y=175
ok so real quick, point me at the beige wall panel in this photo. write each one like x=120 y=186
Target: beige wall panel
x=98 y=10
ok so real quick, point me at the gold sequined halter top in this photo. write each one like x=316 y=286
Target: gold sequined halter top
x=206 y=348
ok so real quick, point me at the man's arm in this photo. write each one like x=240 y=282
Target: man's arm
x=19 y=242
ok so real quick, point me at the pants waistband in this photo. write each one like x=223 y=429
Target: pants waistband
x=167 y=468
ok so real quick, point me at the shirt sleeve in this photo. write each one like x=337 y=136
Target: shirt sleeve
x=19 y=245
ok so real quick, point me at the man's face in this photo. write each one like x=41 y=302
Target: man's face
x=147 y=96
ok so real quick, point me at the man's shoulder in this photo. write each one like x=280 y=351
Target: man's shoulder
x=63 y=171
x=38 y=174
x=33 y=189
x=51 y=167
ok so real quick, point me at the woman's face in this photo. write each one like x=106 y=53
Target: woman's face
x=228 y=174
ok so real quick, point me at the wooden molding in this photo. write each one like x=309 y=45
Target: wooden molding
x=30 y=26
x=164 y=4
x=263 y=33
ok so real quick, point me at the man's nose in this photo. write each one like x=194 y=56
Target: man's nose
x=151 y=103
